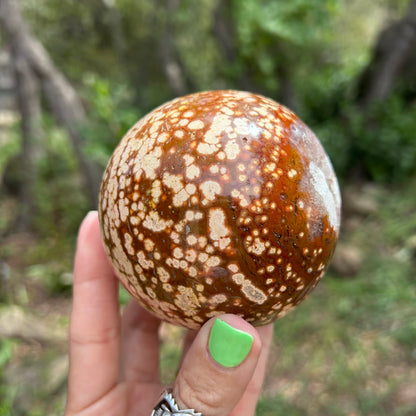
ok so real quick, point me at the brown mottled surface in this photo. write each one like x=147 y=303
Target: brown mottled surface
x=220 y=202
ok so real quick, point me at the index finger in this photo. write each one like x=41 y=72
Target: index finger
x=94 y=332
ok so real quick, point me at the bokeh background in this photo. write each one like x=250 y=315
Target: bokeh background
x=75 y=75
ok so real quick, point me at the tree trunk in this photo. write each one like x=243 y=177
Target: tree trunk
x=391 y=52
x=171 y=63
x=63 y=100
x=224 y=31
x=28 y=103
x=223 y=28
x=115 y=27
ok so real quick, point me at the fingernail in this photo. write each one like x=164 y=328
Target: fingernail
x=228 y=346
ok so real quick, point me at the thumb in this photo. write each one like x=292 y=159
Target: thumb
x=218 y=367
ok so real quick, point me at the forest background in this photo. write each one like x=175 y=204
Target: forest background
x=75 y=75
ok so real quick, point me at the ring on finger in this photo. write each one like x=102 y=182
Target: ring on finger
x=167 y=407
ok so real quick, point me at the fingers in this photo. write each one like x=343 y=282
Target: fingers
x=140 y=345
x=247 y=404
x=95 y=324
x=187 y=342
x=219 y=366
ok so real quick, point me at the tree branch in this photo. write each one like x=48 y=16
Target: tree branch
x=63 y=100
x=392 y=50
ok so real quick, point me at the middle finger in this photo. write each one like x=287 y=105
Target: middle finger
x=140 y=345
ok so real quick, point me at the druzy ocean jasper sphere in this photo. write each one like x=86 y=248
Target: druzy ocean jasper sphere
x=219 y=202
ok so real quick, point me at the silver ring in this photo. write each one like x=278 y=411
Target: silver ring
x=168 y=407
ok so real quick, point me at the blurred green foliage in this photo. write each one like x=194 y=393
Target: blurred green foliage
x=307 y=55
x=7 y=392
x=380 y=142
x=385 y=140
x=112 y=114
x=112 y=52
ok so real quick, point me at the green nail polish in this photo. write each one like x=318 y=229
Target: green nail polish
x=227 y=345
